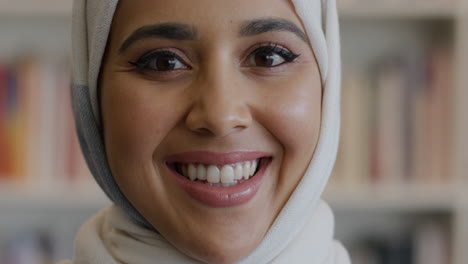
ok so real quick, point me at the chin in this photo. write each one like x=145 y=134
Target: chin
x=224 y=252
x=214 y=242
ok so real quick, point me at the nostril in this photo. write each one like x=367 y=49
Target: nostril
x=218 y=118
x=204 y=131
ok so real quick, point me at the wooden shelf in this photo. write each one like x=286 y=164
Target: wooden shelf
x=414 y=198
x=398 y=10
x=42 y=8
x=20 y=198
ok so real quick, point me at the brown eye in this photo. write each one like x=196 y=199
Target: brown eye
x=160 y=61
x=270 y=56
x=165 y=63
x=268 y=59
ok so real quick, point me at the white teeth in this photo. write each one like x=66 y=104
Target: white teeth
x=201 y=172
x=212 y=174
x=238 y=172
x=246 y=173
x=226 y=175
x=192 y=172
x=253 y=167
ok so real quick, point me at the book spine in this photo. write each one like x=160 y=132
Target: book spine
x=397 y=121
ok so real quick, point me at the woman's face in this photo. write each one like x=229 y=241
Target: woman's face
x=192 y=93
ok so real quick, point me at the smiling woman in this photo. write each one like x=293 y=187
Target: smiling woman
x=212 y=125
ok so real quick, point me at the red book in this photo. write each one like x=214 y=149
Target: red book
x=4 y=164
x=440 y=114
x=389 y=132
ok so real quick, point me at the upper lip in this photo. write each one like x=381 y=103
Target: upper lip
x=214 y=158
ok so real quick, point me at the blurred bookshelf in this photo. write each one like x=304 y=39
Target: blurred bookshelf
x=46 y=190
x=399 y=185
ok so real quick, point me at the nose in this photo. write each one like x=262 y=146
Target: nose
x=219 y=108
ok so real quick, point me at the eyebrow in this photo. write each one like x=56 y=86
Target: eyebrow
x=259 y=26
x=178 y=31
x=174 y=31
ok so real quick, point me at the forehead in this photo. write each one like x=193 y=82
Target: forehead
x=208 y=16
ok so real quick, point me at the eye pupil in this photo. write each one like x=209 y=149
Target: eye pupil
x=265 y=59
x=165 y=63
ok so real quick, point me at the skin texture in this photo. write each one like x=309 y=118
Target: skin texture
x=221 y=102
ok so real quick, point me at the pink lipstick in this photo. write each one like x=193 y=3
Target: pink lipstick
x=215 y=194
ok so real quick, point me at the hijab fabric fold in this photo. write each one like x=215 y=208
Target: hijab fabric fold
x=302 y=232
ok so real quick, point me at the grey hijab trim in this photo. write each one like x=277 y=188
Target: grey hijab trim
x=91 y=25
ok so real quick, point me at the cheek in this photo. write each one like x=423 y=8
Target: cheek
x=136 y=117
x=294 y=114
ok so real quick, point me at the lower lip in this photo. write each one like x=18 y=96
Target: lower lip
x=214 y=196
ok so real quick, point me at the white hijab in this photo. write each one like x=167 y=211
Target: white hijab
x=303 y=231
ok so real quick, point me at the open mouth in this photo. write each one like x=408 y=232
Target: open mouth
x=220 y=175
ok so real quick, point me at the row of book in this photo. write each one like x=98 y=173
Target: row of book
x=38 y=144
x=397 y=121
x=426 y=243
x=33 y=247
x=38 y=243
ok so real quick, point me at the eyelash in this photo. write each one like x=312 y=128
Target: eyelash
x=143 y=62
x=276 y=48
